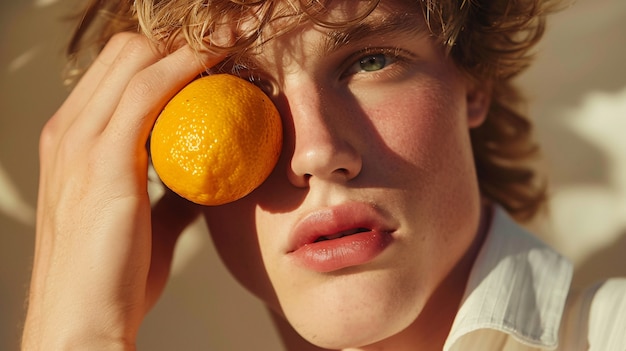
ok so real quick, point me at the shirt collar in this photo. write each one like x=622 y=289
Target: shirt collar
x=518 y=286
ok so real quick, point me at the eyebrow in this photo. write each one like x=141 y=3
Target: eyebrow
x=388 y=26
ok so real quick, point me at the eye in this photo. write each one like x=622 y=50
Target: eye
x=371 y=63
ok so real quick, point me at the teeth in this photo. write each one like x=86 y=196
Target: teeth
x=342 y=234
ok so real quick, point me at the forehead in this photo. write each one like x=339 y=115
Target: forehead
x=336 y=17
x=340 y=21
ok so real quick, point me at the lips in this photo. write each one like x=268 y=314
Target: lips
x=342 y=234
x=337 y=237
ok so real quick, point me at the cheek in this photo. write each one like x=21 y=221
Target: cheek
x=427 y=130
x=425 y=126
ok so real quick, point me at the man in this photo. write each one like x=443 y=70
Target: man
x=382 y=226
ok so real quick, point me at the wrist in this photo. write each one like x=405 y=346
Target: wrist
x=76 y=343
x=55 y=336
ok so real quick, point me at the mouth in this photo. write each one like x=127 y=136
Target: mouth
x=337 y=237
x=342 y=234
x=339 y=222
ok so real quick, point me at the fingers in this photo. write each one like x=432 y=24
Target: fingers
x=136 y=54
x=117 y=102
x=148 y=92
x=84 y=89
x=128 y=65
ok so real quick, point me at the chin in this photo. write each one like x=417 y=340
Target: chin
x=354 y=310
x=343 y=330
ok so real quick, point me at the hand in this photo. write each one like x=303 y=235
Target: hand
x=101 y=259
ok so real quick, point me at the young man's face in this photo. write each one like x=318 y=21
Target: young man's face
x=374 y=199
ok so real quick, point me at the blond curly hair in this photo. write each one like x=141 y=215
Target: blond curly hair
x=489 y=40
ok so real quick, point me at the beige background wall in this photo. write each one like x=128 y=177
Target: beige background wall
x=578 y=89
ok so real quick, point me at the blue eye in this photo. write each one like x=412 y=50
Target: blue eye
x=372 y=63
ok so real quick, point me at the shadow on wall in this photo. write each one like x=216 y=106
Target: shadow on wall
x=32 y=35
x=578 y=102
x=611 y=259
x=589 y=210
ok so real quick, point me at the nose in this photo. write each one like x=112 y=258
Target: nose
x=323 y=137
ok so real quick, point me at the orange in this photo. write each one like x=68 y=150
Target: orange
x=216 y=140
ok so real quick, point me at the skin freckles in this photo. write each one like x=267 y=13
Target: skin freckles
x=380 y=120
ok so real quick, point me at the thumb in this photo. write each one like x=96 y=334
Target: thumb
x=170 y=216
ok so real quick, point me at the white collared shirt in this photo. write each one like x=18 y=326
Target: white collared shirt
x=518 y=298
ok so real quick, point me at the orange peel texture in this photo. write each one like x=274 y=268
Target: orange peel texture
x=217 y=140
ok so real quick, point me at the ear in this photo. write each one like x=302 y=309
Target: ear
x=478 y=103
